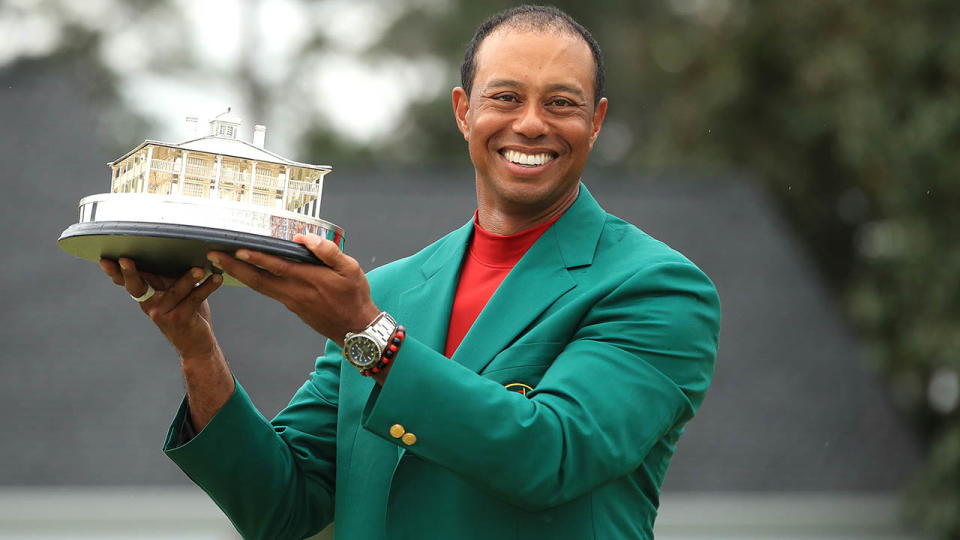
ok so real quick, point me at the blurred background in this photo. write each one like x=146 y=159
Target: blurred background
x=804 y=154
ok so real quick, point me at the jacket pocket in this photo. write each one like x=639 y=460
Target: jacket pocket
x=523 y=364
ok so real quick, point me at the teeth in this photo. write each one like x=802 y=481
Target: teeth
x=527 y=159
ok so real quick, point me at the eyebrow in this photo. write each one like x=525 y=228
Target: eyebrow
x=556 y=87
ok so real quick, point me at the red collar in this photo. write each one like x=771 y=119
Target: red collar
x=503 y=251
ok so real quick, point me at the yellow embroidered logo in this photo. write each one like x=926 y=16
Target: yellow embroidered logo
x=519 y=388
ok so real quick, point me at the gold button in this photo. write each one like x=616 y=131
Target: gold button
x=397 y=431
x=409 y=439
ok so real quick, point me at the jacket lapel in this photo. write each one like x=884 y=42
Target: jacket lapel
x=425 y=308
x=535 y=282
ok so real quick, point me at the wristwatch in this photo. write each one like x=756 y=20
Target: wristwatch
x=364 y=349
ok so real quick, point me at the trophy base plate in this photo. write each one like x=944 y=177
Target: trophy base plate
x=169 y=249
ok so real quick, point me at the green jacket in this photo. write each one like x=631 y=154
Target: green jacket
x=616 y=334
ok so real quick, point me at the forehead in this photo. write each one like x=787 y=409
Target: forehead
x=535 y=56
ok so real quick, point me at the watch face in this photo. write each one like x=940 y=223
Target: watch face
x=363 y=352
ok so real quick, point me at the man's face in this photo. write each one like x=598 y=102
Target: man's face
x=530 y=120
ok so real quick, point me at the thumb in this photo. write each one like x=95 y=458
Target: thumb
x=325 y=250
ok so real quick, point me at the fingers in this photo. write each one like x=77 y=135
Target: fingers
x=179 y=290
x=112 y=269
x=259 y=280
x=277 y=266
x=328 y=253
x=160 y=283
x=200 y=293
x=170 y=292
x=131 y=278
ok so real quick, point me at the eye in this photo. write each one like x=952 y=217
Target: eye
x=560 y=102
x=506 y=98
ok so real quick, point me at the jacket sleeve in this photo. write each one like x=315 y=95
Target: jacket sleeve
x=636 y=368
x=272 y=482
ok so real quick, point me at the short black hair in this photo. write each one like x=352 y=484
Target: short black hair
x=527 y=17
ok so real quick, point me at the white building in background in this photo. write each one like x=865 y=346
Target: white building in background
x=221 y=166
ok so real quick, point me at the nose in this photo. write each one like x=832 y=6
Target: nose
x=530 y=123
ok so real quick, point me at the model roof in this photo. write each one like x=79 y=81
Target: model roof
x=214 y=144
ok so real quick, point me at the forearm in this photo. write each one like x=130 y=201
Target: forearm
x=274 y=480
x=209 y=385
x=270 y=482
x=180 y=310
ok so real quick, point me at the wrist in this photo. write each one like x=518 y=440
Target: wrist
x=388 y=356
x=372 y=348
x=365 y=317
x=200 y=357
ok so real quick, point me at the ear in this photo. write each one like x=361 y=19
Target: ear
x=599 y=113
x=461 y=108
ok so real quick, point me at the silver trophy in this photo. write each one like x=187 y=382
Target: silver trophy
x=169 y=204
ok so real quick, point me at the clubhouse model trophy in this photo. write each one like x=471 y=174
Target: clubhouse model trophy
x=169 y=204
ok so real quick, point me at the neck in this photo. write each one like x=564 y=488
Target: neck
x=506 y=219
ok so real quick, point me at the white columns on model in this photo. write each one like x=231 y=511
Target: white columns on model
x=286 y=187
x=215 y=192
x=145 y=188
x=253 y=181
x=183 y=172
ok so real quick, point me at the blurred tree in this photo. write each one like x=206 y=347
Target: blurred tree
x=104 y=44
x=849 y=113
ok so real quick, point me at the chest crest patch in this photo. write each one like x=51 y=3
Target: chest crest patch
x=519 y=388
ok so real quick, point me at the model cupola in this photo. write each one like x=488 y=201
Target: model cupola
x=226 y=125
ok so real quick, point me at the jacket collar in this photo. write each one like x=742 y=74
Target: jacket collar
x=579 y=229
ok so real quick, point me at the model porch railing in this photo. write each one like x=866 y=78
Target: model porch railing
x=192 y=189
x=162 y=166
x=267 y=181
x=264 y=199
x=200 y=178
x=198 y=168
x=229 y=175
x=305 y=188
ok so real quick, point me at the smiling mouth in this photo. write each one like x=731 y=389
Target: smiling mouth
x=528 y=160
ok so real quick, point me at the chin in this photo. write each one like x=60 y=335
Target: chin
x=528 y=193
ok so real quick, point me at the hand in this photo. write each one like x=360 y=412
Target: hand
x=333 y=299
x=179 y=307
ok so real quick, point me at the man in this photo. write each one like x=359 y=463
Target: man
x=550 y=357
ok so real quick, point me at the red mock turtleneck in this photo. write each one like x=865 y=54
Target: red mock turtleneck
x=489 y=259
